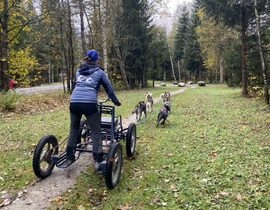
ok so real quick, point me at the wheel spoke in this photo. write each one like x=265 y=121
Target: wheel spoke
x=43 y=156
x=116 y=167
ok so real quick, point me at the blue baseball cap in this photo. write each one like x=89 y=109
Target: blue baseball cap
x=92 y=54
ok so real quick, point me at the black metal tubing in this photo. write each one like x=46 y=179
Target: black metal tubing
x=108 y=109
x=110 y=133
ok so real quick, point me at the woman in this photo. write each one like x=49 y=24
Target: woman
x=83 y=101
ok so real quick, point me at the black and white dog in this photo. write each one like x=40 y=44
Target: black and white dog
x=139 y=109
x=163 y=114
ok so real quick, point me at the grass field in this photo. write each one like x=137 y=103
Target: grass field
x=212 y=154
x=38 y=115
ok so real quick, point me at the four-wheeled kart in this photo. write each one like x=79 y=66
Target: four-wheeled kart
x=46 y=155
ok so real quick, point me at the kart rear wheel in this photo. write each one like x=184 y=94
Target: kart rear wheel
x=42 y=163
x=113 y=167
x=131 y=140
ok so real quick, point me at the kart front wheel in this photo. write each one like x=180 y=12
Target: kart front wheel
x=42 y=163
x=113 y=167
x=131 y=140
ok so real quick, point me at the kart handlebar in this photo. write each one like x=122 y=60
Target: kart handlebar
x=100 y=102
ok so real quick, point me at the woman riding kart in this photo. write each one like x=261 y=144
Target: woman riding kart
x=83 y=101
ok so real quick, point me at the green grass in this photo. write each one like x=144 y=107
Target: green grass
x=212 y=154
x=46 y=115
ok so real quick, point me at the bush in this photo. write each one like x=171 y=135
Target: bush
x=8 y=101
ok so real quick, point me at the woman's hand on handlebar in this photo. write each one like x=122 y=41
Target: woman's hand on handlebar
x=117 y=103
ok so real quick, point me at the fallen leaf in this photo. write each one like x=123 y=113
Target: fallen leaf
x=125 y=207
x=224 y=193
x=81 y=207
x=238 y=197
x=90 y=191
x=20 y=193
x=6 y=202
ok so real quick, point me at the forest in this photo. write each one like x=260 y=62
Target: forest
x=44 y=41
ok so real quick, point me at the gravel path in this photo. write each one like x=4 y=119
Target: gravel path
x=38 y=195
x=39 y=89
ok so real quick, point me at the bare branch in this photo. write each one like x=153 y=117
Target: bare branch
x=28 y=22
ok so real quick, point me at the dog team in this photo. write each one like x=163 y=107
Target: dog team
x=147 y=106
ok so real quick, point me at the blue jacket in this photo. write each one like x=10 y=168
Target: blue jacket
x=88 y=81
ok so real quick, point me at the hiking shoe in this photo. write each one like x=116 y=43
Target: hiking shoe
x=67 y=162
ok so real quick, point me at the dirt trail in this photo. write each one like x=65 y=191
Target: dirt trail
x=39 y=195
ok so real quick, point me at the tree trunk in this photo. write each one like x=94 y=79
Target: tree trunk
x=143 y=76
x=164 y=74
x=179 y=70
x=122 y=67
x=221 y=70
x=4 y=49
x=50 y=80
x=104 y=35
x=63 y=80
x=81 y=8
x=200 y=72
x=124 y=76
x=65 y=57
x=264 y=73
x=185 y=75
x=70 y=48
x=172 y=67
x=244 y=51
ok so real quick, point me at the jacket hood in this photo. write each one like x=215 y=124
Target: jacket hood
x=87 y=69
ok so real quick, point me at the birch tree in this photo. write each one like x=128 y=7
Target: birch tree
x=264 y=73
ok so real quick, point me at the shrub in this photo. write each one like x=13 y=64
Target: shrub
x=8 y=101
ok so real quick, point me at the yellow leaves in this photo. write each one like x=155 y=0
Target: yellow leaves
x=21 y=64
x=58 y=199
x=213 y=39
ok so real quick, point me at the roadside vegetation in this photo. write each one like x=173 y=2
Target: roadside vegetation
x=212 y=154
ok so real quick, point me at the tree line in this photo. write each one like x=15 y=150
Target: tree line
x=226 y=41
x=45 y=41
x=216 y=41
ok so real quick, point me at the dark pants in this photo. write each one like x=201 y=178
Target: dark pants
x=91 y=112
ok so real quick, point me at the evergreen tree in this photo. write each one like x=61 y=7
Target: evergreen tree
x=180 y=40
x=137 y=26
x=192 y=54
x=158 y=54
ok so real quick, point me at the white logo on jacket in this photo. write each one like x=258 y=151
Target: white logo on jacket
x=83 y=78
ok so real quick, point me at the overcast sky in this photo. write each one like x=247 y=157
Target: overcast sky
x=172 y=4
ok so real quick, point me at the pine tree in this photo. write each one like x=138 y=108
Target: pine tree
x=192 y=55
x=180 y=40
x=137 y=26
